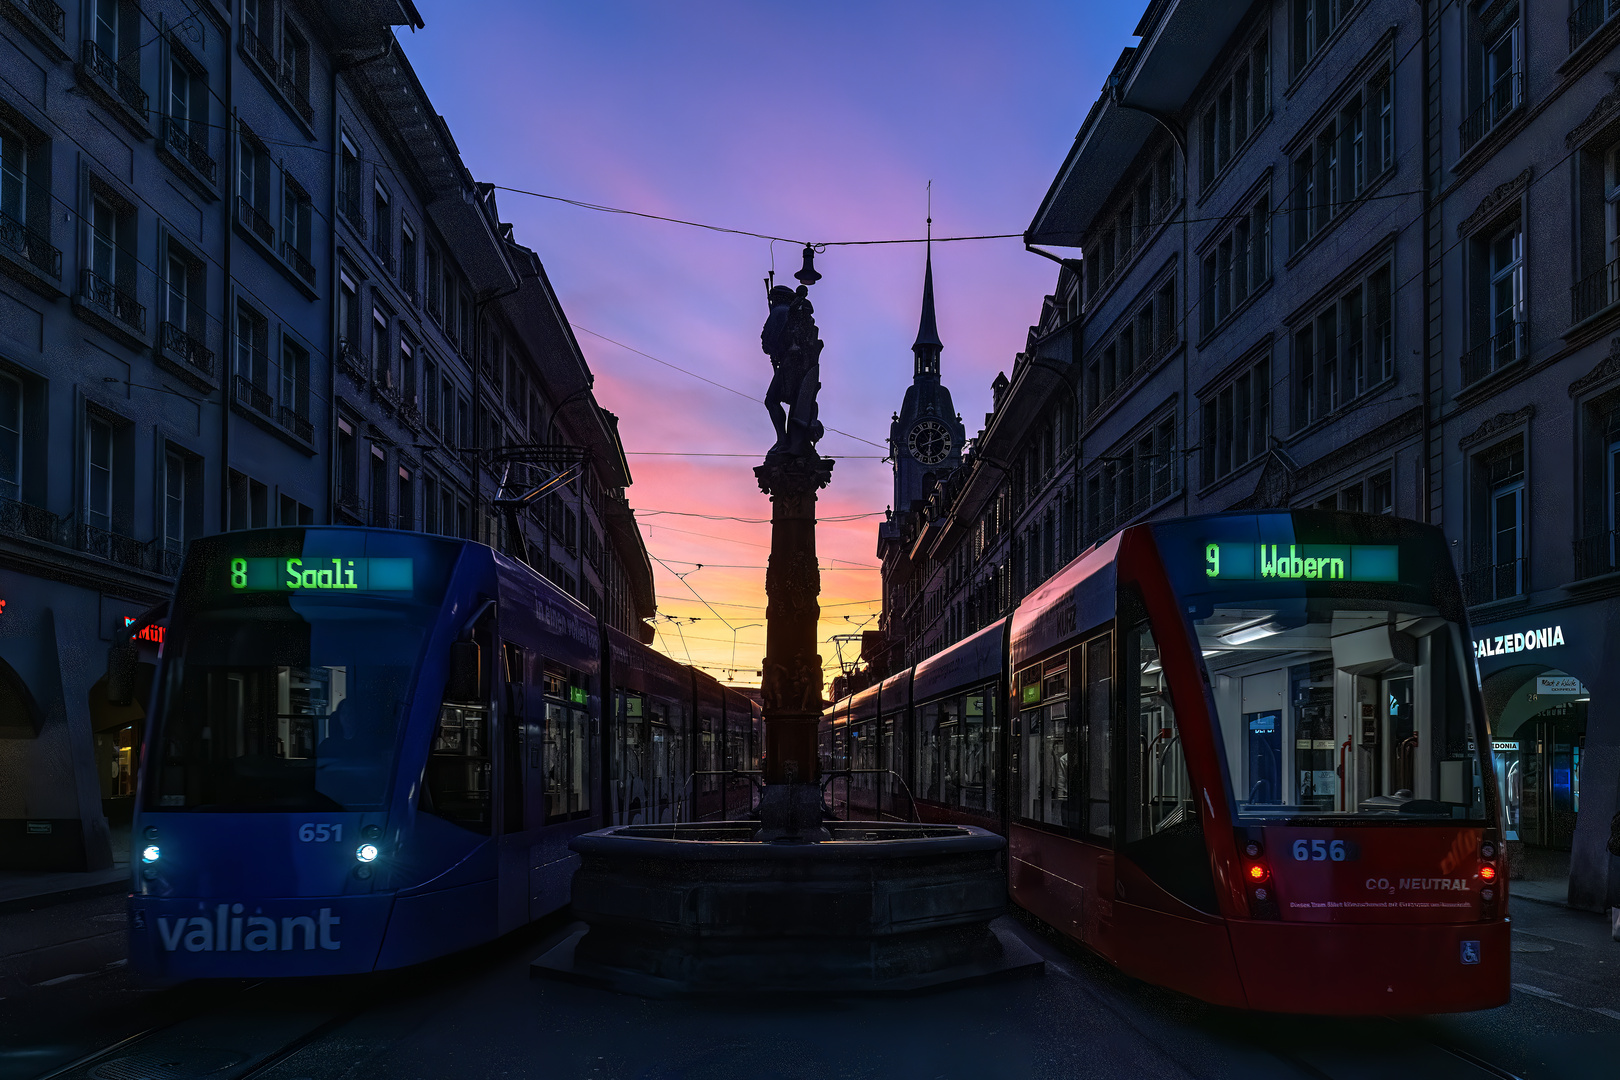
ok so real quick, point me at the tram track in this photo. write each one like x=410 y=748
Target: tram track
x=238 y=1039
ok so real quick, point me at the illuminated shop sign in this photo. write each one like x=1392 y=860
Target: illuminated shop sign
x=1559 y=684
x=150 y=632
x=1302 y=562
x=321 y=575
x=1523 y=641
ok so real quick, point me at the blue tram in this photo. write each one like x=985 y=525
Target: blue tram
x=368 y=748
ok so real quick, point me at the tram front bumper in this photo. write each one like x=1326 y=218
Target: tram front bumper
x=1372 y=969
x=178 y=938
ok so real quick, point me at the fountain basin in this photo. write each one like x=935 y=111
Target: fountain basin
x=704 y=908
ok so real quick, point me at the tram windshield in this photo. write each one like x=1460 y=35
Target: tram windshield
x=1336 y=664
x=286 y=679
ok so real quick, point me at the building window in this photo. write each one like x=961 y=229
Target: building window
x=379 y=488
x=186 y=126
x=346 y=464
x=111 y=239
x=348 y=315
x=294 y=378
x=252 y=351
x=174 y=502
x=349 y=184
x=253 y=185
x=1495 y=75
x=1597 y=551
x=1341 y=162
x=407 y=372
x=250 y=502
x=1346 y=350
x=381 y=349
x=11 y=437
x=430 y=504
x=1314 y=22
x=98 y=486
x=1238 y=108
x=1236 y=422
x=382 y=224
x=435 y=292
x=430 y=394
x=297 y=213
x=1499 y=521
x=464 y=314
x=1236 y=266
x=407 y=259
x=1497 y=317
x=407 y=500
x=294 y=77
x=1143 y=471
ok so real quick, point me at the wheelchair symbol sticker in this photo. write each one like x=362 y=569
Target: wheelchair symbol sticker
x=1470 y=952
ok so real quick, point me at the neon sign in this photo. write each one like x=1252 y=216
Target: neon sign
x=1301 y=562
x=322 y=575
x=1546 y=637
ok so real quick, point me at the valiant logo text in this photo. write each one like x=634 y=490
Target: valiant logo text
x=229 y=931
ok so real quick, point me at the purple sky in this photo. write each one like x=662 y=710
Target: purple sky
x=819 y=124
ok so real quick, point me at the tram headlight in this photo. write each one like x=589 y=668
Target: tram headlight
x=151 y=853
x=366 y=853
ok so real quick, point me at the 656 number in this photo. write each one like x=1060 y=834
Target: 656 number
x=1322 y=851
x=311 y=833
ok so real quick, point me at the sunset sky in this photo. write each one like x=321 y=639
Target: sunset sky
x=813 y=122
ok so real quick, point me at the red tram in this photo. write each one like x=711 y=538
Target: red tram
x=1242 y=756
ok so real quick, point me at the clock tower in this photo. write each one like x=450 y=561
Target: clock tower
x=926 y=436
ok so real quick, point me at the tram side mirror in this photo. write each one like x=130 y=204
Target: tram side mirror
x=122 y=666
x=466 y=681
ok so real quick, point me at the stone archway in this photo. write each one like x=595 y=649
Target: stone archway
x=1538 y=717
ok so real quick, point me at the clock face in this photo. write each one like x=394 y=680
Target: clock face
x=929 y=442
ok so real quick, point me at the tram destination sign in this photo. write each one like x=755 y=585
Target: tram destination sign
x=321 y=575
x=1225 y=561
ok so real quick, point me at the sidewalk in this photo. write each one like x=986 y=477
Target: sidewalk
x=22 y=889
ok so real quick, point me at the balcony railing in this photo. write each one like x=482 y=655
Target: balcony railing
x=259 y=49
x=385 y=390
x=1495 y=353
x=34 y=522
x=1494 y=581
x=188 y=148
x=297 y=423
x=175 y=341
x=287 y=79
x=296 y=259
x=1587 y=17
x=30 y=246
x=254 y=221
x=103 y=294
x=1597 y=553
x=125 y=86
x=1502 y=99
x=1594 y=292
x=110 y=545
x=254 y=397
x=410 y=415
x=351 y=361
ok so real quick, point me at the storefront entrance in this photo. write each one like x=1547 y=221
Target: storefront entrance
x=1538 y=736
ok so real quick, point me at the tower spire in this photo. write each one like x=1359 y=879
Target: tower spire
x=927 y=346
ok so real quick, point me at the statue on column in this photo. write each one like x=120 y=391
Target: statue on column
x=790 y=340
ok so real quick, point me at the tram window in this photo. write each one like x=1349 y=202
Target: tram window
x=456 y=782
x=283 y=710
x=1099 y=706
x=1163 y=834
x=1339 y=706
x=929 y=753
x=516 y=700
x=567 y=743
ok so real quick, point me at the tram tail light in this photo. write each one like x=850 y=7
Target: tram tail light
x=1487 y=873
x=1259 y=873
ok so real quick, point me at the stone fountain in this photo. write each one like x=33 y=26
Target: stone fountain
x=792 y=901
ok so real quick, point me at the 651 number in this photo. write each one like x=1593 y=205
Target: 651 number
x=311 y=833
x=1321 y=851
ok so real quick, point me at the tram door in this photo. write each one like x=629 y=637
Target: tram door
x=518 y=773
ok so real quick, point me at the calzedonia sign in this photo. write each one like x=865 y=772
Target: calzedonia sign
x=1544 y=637
x=311 y=575
x=1301 y=562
